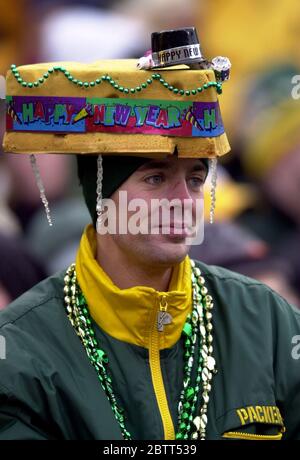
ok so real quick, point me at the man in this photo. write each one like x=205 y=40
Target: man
x=136 y=341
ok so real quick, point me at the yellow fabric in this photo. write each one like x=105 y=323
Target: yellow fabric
x=125 y=73
x=130 y=314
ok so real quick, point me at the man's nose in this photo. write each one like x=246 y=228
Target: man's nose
x=179 y=189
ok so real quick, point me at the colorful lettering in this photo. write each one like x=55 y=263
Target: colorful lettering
x=99 y=113
x=39 y=111
x=162 y=119
x=209 y=119
x=59 y=112
x=129 y=116
x=48 y=114
x=152 y=115
x=109 y=115
x=174 y=116
x=27 y=113
x=70 y=109
x=140 y=114
x=122 y=114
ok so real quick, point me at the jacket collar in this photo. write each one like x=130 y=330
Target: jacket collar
x=128 y=314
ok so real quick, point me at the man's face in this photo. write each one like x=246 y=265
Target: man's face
x=167 y=228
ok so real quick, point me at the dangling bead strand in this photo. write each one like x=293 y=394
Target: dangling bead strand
x=213 y=188
x=99 y=203
x=41 y=187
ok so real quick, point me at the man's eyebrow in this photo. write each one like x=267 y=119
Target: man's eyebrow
x=156 y=164
x=199 y=167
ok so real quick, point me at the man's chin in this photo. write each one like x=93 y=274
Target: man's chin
x=169 y=250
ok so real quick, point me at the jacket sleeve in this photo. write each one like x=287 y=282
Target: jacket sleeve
x=286 y=343
x=15 y=422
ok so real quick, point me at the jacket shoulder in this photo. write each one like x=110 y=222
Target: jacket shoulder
x=215 y=271
x=240 y=289
x=43 y=293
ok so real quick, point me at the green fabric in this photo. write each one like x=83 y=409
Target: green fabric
x=49 y=390
x=116 y=170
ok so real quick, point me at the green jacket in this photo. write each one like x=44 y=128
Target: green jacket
x=49 y=390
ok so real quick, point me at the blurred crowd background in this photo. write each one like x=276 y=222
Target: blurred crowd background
x=257 y=222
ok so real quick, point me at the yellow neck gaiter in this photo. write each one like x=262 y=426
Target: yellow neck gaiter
x=129 y=314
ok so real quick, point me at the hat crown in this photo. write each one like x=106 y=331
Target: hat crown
x=167 y=39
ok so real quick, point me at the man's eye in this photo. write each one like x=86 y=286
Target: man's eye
x=196 y=182
x=154 y=180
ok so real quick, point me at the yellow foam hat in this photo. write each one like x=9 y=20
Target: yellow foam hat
x=111 y=107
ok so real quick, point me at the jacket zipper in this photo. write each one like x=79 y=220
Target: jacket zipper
x=249 y=436
x=155 y=367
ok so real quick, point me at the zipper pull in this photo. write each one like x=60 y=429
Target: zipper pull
x=163 y=317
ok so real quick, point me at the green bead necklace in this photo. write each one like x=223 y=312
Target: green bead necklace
x=113 y=83
x=198 y=324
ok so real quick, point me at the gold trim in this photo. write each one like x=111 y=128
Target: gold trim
x=250 y=436
x=157 y=379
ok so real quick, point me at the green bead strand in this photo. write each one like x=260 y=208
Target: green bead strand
x=107 y=78
x=78 y=313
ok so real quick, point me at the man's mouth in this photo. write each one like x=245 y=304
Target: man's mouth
x=180 y=229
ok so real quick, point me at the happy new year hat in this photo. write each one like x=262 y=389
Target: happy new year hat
x=119 y=108
x=115 y=107
x=173 y=47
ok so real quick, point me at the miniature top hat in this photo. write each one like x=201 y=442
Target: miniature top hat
x=173 y=47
